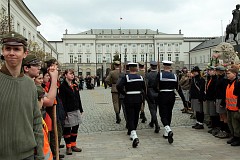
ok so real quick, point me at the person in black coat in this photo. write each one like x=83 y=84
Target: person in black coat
x=197 y=94
x=69 y=94
x=132 y=86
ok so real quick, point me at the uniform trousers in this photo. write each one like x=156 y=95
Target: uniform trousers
x=166 y=102
x=116 y=103
x=234 y=122
x=132 y=112
x=152 y=108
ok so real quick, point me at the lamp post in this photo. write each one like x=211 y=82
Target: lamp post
x=125 y=57
x=75 y=67
x=104 y=65
x=9 y=17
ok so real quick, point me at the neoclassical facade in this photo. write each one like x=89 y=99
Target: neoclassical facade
x=25 y=23
x=90 y=51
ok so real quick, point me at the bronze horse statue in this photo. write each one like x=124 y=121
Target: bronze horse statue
x=230 y=29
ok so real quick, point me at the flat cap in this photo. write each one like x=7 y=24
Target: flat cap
x=116 y=63
x=30 y=59
x=141 y=63
x=153 y=63
x=167 y=63
x=220 y=68
x=13 y=39
x=132 y=64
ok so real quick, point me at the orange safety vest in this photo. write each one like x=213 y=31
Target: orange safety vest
x=231 y=99
x=46 y=147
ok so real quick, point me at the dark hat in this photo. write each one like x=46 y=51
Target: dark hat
x=153 y=63
x=196 y=68
x=13 y=39
x=220 y=68
x=211 y=68
x=30 y=60
x=132 y=64
x=141 y=63
x=116 y=63
x=40 y=91
x=167 y=63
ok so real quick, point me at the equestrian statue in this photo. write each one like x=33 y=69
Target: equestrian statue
x=234 y=26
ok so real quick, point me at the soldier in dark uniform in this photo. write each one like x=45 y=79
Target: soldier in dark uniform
x=121 y=96
x=167 y=83
x=132 y=86
x=152 y=95
x=141 y=72
x=112 y=79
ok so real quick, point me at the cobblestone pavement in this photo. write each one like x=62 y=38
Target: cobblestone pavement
x=102 y=139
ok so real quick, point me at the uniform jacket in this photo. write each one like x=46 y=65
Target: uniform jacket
x=112 y=78
x=132 y=82
x=70 y=97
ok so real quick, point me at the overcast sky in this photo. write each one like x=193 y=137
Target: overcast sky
x=193 y=17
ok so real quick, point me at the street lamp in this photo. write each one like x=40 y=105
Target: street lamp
x=75 y=66
x=125 y=57
x=9 y=17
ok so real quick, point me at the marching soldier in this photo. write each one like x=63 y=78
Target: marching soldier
x=141 y=72
x=112 y=78
x=166 y=84
x=133 y=87
x=152 y=95
x=121 y=96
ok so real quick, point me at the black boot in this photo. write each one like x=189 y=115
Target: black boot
x=135 y=142
x=143 y=117
x=118 y=119
x=157 y=127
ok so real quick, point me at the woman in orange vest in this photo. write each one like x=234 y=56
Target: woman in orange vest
x=46 y=147
x=232 y=93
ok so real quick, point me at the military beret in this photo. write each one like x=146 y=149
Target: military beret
x=141 y=63
x=220 y=68
x=167 y=63
x=153 y=63
x=116 y=63
x=30 y=59
x=13 y=39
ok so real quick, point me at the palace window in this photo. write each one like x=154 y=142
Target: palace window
x=134 y=58
x=79 y=58
x=71 y=58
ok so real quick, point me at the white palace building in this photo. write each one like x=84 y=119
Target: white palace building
x=92 y=51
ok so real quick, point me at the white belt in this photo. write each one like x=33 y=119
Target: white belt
x=166 y=90
x=133 y=92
